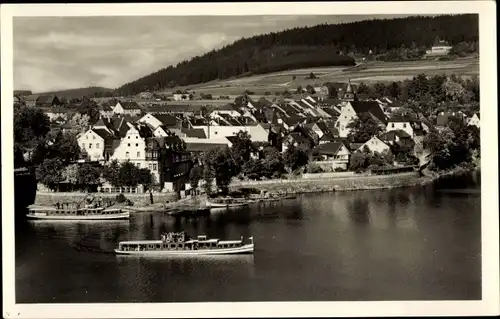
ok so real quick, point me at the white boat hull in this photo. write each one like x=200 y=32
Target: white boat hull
x=219 y=205
x=245 y=249
x=124 y=215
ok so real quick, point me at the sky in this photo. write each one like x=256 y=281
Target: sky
x=55 y=53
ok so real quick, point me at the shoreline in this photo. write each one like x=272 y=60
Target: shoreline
x=295 y=187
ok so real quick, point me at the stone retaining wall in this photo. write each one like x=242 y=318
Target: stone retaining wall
x=343 y=184
x=46 y=198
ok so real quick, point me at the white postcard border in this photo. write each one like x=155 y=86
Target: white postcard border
x=489 y=305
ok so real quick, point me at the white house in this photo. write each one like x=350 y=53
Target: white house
x=439 y=50
x=375 y=145
x=132 y=147
x=400 y=123
x=335 y=153
x=351 y=110
x=93 y=143
x=474 y=120
x=130 y=108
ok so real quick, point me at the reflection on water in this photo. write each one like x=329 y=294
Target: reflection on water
x=400 y=244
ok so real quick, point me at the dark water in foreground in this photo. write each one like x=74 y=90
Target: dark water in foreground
x=419 y=243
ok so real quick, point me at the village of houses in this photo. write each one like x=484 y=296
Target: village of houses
x=135 y=129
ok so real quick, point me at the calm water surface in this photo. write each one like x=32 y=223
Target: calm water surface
x=419 y=243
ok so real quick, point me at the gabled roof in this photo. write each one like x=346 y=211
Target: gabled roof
x=106 y=108
x=330 y=148
x=45 y=99
x=102 y=133
x=331 y=111
x=355 y=146
x=323 y=127
x=297 y=137
x=371 y=107
x=59 y=119
x=391 y=135
x=130 y=105
x=166 y=119
x=195 y=132
x=327 y=137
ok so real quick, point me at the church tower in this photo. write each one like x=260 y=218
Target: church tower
x=349 y=94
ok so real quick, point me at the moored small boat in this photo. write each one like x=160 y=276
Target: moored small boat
x=227 y=203
x=180 y=244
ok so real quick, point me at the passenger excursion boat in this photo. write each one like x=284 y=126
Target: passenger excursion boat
x=73 y=212
x=181 y=244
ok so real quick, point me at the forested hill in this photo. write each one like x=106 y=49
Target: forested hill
x=321 y=45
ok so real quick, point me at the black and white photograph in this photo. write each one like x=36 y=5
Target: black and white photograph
x=199 y=160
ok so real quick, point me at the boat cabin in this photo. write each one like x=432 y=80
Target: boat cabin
x=192 y=244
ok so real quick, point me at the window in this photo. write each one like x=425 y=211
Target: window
x=87 y=137
x=154 y=167
x=136 y=137
x=97 y=145
x=404 y=125
x=127 y=155
x=138 y=165
x=128 y=144
x=93 y=137
x=90 y=146
x=149 y=166
x=129 y=137
x=136 y=144
x=392 y=125
x=138 y=154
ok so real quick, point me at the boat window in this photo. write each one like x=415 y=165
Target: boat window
x=181 y=245
x=158 y=246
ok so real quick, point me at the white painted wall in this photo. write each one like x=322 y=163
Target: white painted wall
x=405 y=126
x=132 y=147
x=347 y=114
x=257 y=132
x=375 y=145
x=92 y=144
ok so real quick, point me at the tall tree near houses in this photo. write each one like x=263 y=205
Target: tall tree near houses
x=50 y=173
x=79 y=123
x=30 y=125
x=242 y=148
x=220 y=163
x=89 y=175
x=363 y=128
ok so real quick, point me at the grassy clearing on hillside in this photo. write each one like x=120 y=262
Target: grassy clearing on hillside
x=376 y=71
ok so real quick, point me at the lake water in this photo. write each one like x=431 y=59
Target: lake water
x=419 y=243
